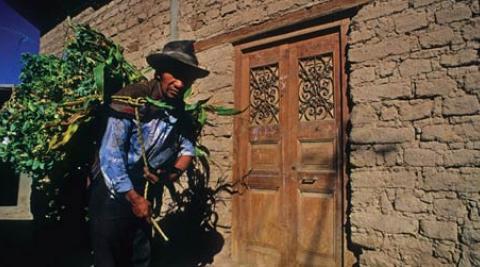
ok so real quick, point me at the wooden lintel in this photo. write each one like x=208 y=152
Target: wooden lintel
x=306 y=14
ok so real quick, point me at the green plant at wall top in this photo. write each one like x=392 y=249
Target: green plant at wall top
x=41 y=124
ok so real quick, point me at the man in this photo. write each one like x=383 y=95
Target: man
x=118 y=210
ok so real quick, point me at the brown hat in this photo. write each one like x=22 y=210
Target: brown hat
x=179 y=51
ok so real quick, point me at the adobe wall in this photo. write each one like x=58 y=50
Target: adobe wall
x=415 y=139
x=144 y=26
x=415 y=135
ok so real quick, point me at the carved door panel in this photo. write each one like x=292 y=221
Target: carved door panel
x=288 y=151
x=260 y=148
x=315 y=149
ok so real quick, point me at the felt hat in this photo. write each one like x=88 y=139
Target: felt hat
x=179 y=53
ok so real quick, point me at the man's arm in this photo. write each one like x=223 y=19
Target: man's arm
x=179 y=167
x=113 y=155
x=113 y=162
x=173 y=174
x=185 y=157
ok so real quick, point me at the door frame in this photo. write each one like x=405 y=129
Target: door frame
x=341 y=25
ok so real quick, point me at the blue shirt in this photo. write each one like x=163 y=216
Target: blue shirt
x=120 y=154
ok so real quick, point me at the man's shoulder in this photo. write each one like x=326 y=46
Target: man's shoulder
x=136 y=90
x=121 y=104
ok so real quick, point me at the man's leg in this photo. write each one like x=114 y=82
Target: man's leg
x=113 y=228
x=102 y=252
x=113 y=241
x=141 y=245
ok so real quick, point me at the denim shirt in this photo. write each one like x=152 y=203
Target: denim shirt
x=120 y=154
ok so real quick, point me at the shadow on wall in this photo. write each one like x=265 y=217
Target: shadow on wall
x=192 y=240
x=191 y=221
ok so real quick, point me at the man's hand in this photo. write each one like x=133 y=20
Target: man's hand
x=147 y=174
x=160 y=175
x=168 y=175
x=140 y=206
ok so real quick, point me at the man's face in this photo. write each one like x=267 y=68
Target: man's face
x=174 y=83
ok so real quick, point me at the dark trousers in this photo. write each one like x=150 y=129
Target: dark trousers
x=119 y=239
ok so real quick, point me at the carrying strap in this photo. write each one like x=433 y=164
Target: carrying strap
x=124 y=102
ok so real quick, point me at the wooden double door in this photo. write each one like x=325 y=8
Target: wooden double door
x=289 y=149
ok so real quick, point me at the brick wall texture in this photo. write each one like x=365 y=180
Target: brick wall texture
x=414 y=88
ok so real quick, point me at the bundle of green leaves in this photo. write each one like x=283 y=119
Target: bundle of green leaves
x=57 y=95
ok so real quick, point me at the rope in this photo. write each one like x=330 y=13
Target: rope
x=142 y=145
x=136 y=103
x=80 y=101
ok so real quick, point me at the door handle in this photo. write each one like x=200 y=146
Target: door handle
x=309 y=180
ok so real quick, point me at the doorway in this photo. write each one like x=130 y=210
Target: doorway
x=290 y=149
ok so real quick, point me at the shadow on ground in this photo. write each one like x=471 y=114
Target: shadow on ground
x=190 y=223
x=48 y=243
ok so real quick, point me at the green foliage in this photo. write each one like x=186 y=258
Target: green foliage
x=158 y=103
x=55 y=99
x=55 y=96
